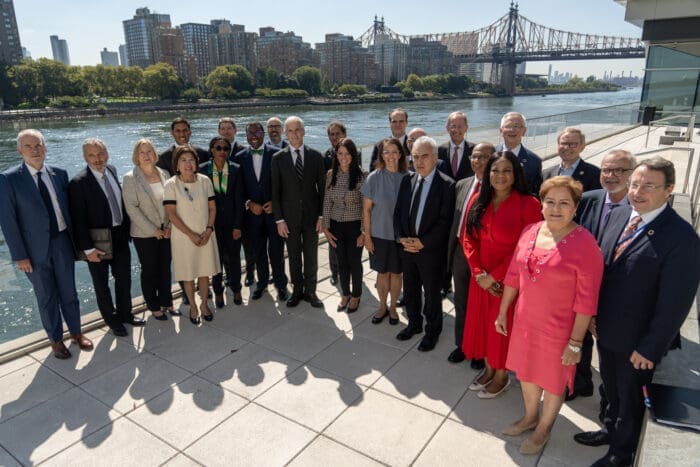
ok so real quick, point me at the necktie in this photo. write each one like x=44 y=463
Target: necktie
x=299 y=165
x=627 y=235
x=455 y=160
x=463 y=227
x=258 y=152
x=413 y=214
x=606 y=218
x=46 y=197
x=113 y=204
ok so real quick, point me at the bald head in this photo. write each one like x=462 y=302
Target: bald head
x=413 y=135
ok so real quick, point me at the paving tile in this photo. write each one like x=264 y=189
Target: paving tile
x=299 y=338
x=357 y=359
x=384 y=333
x=6 y=460
x=14 y=365
x=27 y=387
x=252 y=321
x=119 y=443
x=187 y=411
x=324 y=452
x=337 y=319
x=253 y=436
x=311 y=397
x=155 y=332
x=181 y=460
x=562 y=447
x=385 y=428
x=455 y=444
x=49 y=427
x=128 y=386
x=251 y=370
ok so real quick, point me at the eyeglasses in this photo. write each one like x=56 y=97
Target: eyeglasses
x=255 y=132
x=567 y=144
x=222 y=148
x=616 y=171
x=646 y=188
x=513 y=127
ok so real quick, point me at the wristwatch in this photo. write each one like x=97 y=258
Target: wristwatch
x=574 y=348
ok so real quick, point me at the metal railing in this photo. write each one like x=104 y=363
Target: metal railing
x=671 y=121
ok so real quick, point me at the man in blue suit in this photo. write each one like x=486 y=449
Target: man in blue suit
x=652 y=269
x=570 y=144
x=513 y=128
x=36 y=222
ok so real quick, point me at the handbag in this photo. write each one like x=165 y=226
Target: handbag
x=102 y=239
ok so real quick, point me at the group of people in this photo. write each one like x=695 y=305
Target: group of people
x=541 y=261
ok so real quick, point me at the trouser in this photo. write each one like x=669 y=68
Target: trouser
x=155 y=257
x=269 y=250
x=333 y=261
x=349 y=255
x=583 y=379
x=230 y=258
x=462 y=274
x=249 y=252
x=302 y=242
x=422 y=272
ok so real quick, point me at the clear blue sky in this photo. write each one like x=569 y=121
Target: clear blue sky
x=90 y=25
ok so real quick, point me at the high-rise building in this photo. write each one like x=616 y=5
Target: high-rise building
x=59 y=49
x=231 y=45
x=109 y=58
x=344 y=61
x=196 y=37
x=429 y=58
x=282 y=52
x=10 y=46
x=123 y=59
x=390 y=56
x=26 y=53
x=169 y=47
x=140 y=35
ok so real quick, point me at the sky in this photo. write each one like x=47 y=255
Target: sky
x=90 y=25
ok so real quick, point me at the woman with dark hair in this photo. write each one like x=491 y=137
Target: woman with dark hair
x=342 y=220
x=228 y=197
x=494 y=222
x=189 y=202
x=380 y=192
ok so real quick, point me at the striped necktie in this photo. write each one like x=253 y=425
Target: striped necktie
x=299 y=165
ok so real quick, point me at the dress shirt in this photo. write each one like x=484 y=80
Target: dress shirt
x=607 y=209
x=466 y=203
x=515 y=150
x=294 y=150
x=570 y=171
x=646 y=218
x=257 y=161
x=424 y=195
x=113 y=183
x=52 y=193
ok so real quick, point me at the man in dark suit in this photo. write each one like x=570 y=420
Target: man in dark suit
x=593 y=213
x=570 y=143
x=652 y=269
x=455 y=153
x=181 y=131
x=268 y=246
x=227 y=129
x=465 y=189
x=298 y=183
x=398 y=121
x=96 y=203
x=422 y=220
x=513 y=128
x=274 y=133
x=36 y=223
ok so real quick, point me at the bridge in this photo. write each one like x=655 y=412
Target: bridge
x=514 y=39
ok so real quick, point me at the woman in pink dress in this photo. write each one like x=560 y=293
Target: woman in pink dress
x=555 y=276
x=495 y=220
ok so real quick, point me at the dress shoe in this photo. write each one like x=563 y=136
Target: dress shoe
x=163 y=316
x=209 y=317
x=271 y=280
x=334 y=279
x=393 y=321
x=516 y=430
x=294 y=300
x=530 y=448
x=484 y=394
x=249 y=280
x=343 y=303
x=611 y=460
x=257 y=293
x=401 y=301
x=445 y=292
x=313 y=300
x=60 y=351
x=173 y=311
x=456 y=356
x=120 y=332
x=378 y=319
x=353 y=309
x=592 y=438
x=588 y=392
x=282 y=295
x=476 y=385
x=427 y=343
x=477 y=364
x=83 y=342
x=237 y=298
x=134 y=321
x=408 y=332
x=219 y=300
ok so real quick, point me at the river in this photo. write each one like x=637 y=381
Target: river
x=366 y=124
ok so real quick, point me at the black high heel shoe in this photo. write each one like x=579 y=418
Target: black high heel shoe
x=353 y=309
x=378 y=319
x=208 y=317
x=196 y=320
x=393 y=321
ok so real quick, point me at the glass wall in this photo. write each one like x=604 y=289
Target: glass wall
x=672 y=78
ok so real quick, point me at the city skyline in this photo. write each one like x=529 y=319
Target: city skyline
x=91 y=26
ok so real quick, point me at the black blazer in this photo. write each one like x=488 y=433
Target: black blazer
x=165 y=159
x=298 y=202
x=258 y=191
x=465 y=167
x=532 y=166
x=89 y=207
x=437 y=215
x=587 y=174
x=236 y=148
x=462 y=189
x=647 y=292
x=230 y=206
x=378 y=148
x=589 y=211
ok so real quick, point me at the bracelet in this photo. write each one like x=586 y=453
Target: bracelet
x=574 y=348
x=574 y=341
x=210 y=227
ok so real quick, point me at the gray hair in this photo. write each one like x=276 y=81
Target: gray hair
x=292 y=119
x=94 y=142
x=458 y=114
x=626 y=155
x=428 y=141
x=513 y=114
x=30 y=132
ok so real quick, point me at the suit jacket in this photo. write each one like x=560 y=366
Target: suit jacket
x=230 y=206
x=465 y=167
x=236 y=147
x=532 y=166
x=23 y=216
x=141 y=204
x=462 y=189
x=647 y=292
x=298 y=202
x=590 y=211
x=283 y=144
x=378 y=148
x=258 y=191
x=165 y=159
x=434 y=226
x=89 y=207
x=587 y=174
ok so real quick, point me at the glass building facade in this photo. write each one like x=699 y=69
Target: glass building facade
x=672 y=78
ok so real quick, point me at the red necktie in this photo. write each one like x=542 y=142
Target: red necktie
x=627 y=236
x=463 y=227
x=455 y=160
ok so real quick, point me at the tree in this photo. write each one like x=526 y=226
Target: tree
x=161 y=81
x=25 y=80
x=229 y=81
x=351 y=89
x=309 y=79
x=267 y=78
x=414 y=82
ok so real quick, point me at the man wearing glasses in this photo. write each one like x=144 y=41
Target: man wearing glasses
x=571 y=142
x=455 y=153
x=274 y=133
x=513 y=128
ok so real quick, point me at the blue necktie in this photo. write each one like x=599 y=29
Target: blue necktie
x=46 y=197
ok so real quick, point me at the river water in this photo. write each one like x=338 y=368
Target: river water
x=366 y=124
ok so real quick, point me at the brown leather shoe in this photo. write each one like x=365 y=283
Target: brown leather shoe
x=83 y=342
x=59 y=350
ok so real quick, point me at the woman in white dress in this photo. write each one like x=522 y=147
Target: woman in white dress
x=189 y=201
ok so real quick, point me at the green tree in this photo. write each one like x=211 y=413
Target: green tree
x=351 y=89
x=161 y=81
x=229 y=81
x=309 y=79
x=25 y=80
x=414 y=82
x=267 y=78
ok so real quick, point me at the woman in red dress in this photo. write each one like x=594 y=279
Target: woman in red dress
x=495 y=220
x=555 y=275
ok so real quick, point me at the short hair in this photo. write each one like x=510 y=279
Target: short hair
x=628 y=156
x=94 y=142
x=399 y=110
x=216 y=139
x=30 y=132
x=513 y=114
x=337 y=124
x=562 y=181
x=427 y=140
x=488 y=145
x=227 y=120
x=271 y=119
x=291 y=119
x=179 y=120
x=137 y=146
x=180 y=151
x=576 y=131
x=458 y=114
x=255 y=124
x=662 y=165
x=380 y=163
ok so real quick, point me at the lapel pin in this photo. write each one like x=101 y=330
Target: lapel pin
x=581 y=172
x=650 y=232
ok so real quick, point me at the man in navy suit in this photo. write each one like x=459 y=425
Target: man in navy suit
x=181 y=132
x=398 y=121
x=227 y=129
x=36 y=223
x=513 y=128
x=456 y=152
x=570 y=144
x=422 y=220
x=652 y=269
x=268 y=246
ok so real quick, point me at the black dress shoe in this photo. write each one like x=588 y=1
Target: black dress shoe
x=313 y=300
x=456 y=356
x=121 y=332
x=60 y=351
x=400 y=302
x=219 y=301
x=209 y=317
x=237 y=298
x=271 y=280
x=334 y=279
x=249 y=280
x=294 y=300
x=477 y=364
x=282 y=295
x=134 y=321
x=427 y=343
x=592 y=438
x=611 y=460
x=257 y=293
x=408 y=332
x=588 y=392
x=445 y=292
